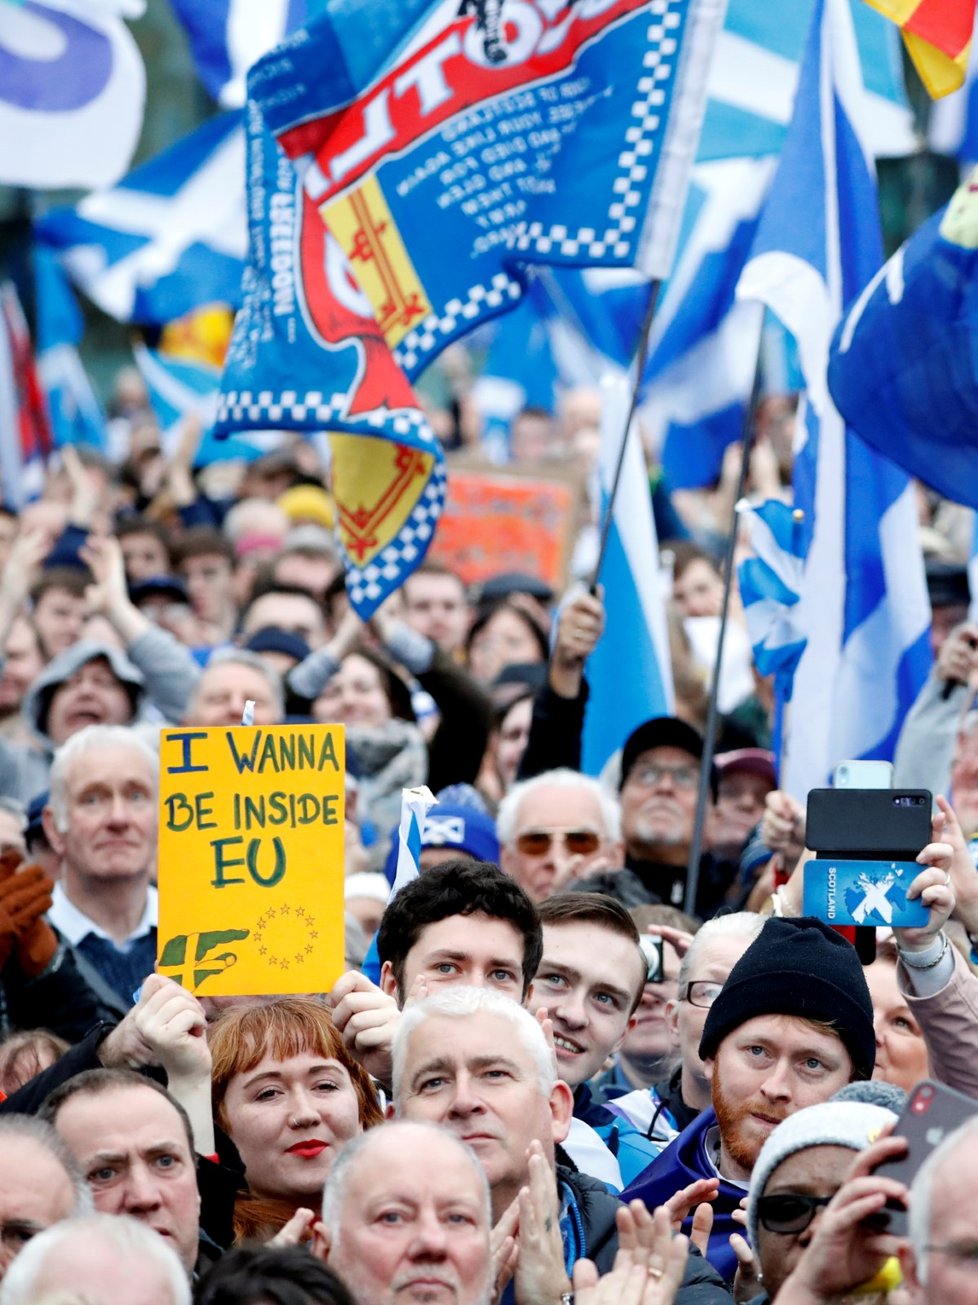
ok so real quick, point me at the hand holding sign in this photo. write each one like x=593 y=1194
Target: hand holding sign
x=251 y=859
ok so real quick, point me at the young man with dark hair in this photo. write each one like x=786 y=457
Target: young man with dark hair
x=459 y=917
x=204 y=560
x=461 y=922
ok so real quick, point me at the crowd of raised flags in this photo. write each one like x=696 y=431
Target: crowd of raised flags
x=343 y=204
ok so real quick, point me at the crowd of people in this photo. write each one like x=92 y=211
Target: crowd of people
x=556 y=1068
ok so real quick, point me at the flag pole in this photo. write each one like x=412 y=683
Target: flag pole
x=712 y=714
x=639 y=364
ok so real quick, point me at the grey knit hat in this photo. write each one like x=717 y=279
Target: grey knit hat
x=854 y=1124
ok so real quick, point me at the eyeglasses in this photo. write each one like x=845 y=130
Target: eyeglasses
x=789 y=1212
x=701 y=992
x=650 y=775
x=537 y=842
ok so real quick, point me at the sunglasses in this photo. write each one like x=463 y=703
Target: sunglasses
x=789 y=1212
x=579 y=842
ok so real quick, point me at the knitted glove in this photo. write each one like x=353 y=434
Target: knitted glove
x=24 y=897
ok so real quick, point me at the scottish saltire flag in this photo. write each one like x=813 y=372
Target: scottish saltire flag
x=179 y=389
x=903 y=367
x=415 y=805
x=937 y=34
x=227 y=36
x=770 y=584
x=26 y=441
x=168 y=238
x=754 y=76
x=635 y=635
x=307 y=354
x=704 y=345
x=470 y=140
x=72 y=90
x=74 y=411
x=863 y=606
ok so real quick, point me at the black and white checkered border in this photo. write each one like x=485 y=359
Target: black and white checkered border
x=368 y=586
x=315 y=411
x=624 y=214
x=428 y=336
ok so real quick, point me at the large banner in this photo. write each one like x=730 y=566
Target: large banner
x=483 y=135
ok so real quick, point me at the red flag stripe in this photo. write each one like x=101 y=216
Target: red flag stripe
x=944 y=23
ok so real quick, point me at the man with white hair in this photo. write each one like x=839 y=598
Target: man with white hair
x=102 y=1257
x=40 y=1184
x=478 y=1063
x=101 y=819
x=434 y=1246
x=943 y=1255
x=555 y=828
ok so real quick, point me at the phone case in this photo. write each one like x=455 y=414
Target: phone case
x=931 y=1113
x=875 y=824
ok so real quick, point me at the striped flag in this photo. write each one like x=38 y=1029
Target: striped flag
x=770 y=585
x=863 y=604
x=168 y=238
x=26 y=442
x=937 y=34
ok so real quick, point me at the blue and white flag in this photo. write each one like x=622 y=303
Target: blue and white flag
x=863 y=605
x=902 y=370
x=630 y=672
x=72 y=90
x=169 y=238
x=179 y=389
x=415 y=805
x=770 y=584
x=227 y=36
x=74 y=411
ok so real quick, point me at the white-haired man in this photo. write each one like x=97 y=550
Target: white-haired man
x=478 y=1063
x=40 y=1184
x=555 y=828
x=102 y=1257
x=101 y=819
x=430 y=1242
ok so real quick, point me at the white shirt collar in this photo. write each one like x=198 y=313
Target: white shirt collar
x=74 y=925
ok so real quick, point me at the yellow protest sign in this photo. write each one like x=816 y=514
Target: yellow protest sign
x=251 y=858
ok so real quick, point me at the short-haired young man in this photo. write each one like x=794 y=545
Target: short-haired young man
x=590 y=981
x=460 y=922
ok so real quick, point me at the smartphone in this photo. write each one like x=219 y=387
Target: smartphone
x=931 y=1113
x=868 y=824
x=651 y=947
x=863 y=774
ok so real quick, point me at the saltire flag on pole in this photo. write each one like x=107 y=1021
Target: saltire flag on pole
x=179 y=389
x=75 y=414
x=26 y=441
x=72 y=90
x=863 y=606
x=937 y=34
x=635 y=635
x=904 y=363
x=307 y=354
x=227 y=36
x=475 y=138
x=168 y=238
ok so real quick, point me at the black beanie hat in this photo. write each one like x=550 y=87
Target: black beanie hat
x=798 y=967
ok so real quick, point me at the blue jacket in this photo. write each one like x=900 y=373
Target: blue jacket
x=681 y=1163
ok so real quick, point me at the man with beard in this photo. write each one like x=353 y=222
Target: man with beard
x=791 y=1026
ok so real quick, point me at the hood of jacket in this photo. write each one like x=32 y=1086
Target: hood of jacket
x=37 y=700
